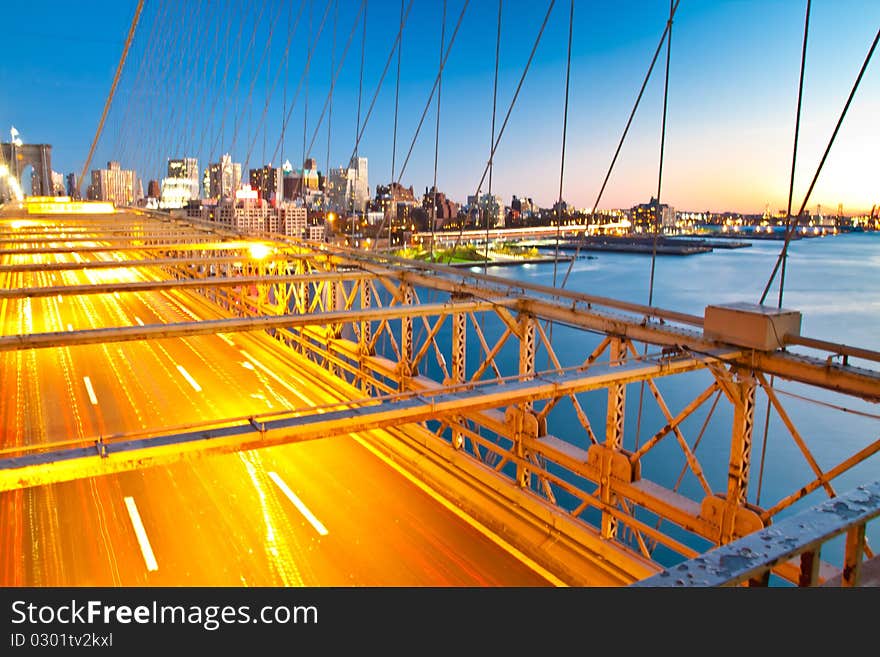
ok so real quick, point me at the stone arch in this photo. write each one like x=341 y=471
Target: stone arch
x=39 y=156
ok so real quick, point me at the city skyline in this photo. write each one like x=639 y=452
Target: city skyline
x=730 y=124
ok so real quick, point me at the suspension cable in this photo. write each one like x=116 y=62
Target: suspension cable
x=549 y=323
x=507 y=116
x=437 y=133
x=388 y=59
x=394 y=133
x=794 y=224
x=332 y=84
x=564 y=134
x=623 y=136
x=492 y=137
x=259 y=65
x=187 y=61
x=220 y=133
x=211 y=119
x=128 y=112
x=361 y=81
x=428 y=103
x=657 y=218
x=134 y=22
x=299 y=85
x=306 y=151
x=328 y=101
x=797 y=123
x=657 y=221
x=396 y=96
x=290 y=35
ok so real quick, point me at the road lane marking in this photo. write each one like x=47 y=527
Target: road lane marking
x=90 y=390
x=303 y=509
x=141 y=533
x=276 y=377
x=488 y=533
x=190 y=380
x=138 y=320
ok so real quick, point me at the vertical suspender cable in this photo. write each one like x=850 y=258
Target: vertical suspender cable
x=210 y=122
x=492 y=137
x=315 y=38
x=305 y=153
x=625 y=131
x=330 y=95
x=437 y=132
x=284 y=89
x=392 y=187
x=129 y=113
x=357 y=131
x=564 y=133
x=433 y=89
x=657 y=221
x=562 y=159
x=797 y=123
x=369 y=112
x=509 y=110
x=291 y=32
x=334 y=77
x=134 y=22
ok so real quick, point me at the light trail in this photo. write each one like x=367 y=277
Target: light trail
x=277 y=378
x=302 y=508
x=485 y=531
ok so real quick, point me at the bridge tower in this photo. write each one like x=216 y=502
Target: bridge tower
x=38 y=156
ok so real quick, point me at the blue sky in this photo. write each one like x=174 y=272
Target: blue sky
x=730 y=126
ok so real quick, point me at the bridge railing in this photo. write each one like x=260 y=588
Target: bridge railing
x=800 y=536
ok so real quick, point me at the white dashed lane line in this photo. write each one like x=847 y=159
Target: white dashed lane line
x=141 y=533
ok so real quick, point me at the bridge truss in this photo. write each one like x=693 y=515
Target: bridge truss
x=523 y=395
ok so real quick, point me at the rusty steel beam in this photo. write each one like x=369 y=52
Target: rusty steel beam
x=119 y=455
x=178 y=283
x=233 y=325
x=152 y=262
x=200 y=246
x=104 y=235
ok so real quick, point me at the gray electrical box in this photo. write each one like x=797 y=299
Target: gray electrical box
x=751 y=325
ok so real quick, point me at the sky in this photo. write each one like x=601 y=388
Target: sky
x=206 y=77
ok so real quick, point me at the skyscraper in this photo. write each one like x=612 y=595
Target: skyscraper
x=224 y=177
x=268 y=181
x=182 y=183
x=115 y=184
x=347 y=188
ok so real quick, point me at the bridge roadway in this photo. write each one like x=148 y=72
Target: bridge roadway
x=223 y=520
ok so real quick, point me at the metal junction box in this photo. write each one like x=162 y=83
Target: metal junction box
x=751 y=325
